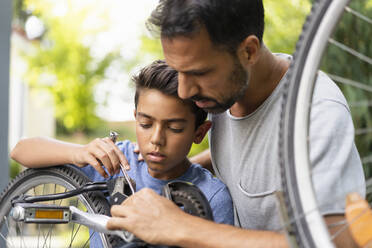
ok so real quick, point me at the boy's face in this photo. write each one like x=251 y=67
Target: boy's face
x=165 y=129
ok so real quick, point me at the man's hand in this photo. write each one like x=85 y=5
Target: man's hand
x=98 y=153
x=148 y=216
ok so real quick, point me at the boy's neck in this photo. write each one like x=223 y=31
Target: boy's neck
x=175 y=173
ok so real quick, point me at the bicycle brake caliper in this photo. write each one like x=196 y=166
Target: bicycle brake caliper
x=119 y=190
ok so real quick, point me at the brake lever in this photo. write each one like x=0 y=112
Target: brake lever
x=113 y=137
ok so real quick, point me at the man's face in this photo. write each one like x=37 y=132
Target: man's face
x=211 y=77
x=165 y=129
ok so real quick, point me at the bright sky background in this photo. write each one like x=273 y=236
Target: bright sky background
x=127 y=23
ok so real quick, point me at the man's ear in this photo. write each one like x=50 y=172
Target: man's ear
x=135 y=113
x=202 y=131
x=248 y=50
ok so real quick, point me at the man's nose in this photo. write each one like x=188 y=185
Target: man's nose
x=158 y=136
x=187 y=86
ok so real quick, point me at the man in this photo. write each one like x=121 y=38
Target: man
x=216 y=47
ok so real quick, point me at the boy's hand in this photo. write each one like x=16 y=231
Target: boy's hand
x=101 y=152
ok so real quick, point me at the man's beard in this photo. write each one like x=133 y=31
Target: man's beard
x=239 y=81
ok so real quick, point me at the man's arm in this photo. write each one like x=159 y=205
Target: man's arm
x=204 y=159
x=157 y=220
x=337 y=226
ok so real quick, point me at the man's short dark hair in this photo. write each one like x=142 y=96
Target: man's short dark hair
x=158 y=75
x=228 y=22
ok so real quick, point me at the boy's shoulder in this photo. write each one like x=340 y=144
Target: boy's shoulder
x=127 y=148
x=125 y=145
x=204 y=179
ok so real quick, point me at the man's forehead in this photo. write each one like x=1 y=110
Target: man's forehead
x=185 y=54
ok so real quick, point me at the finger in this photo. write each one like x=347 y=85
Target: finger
x=119 y=156
x=97 y=165
x=118 y=211
x=116 y=223
x=101 y=152
x=113 y=153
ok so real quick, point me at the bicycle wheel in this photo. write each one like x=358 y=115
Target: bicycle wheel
x=49 y=181
x=335 y=40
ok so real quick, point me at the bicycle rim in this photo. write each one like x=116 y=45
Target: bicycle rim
x=50 y=181
x=319 y=41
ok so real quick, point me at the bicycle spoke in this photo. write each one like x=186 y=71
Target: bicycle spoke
x=346 y=225
x=351 y=51
x=73 y=238
x=21 y=228
x=367 y=160
x=359 y=15
x=365 y=103
x=6 y=240
x=90 y=237
x=350 y=82
x=38 y=235
x=55 y=191
x=339 y=198
x=47 y=236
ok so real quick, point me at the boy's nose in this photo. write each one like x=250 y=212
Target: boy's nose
x=187 y=87
x=158 y=137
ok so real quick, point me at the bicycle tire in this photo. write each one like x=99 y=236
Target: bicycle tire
x=304 y=222
x=66 y=176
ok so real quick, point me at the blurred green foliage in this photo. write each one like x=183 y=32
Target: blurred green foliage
x=15 y=169
x=283 y=23
x=356 y=34
x=63 y=65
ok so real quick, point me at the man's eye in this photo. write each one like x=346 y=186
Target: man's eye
x=143 y=125
x=198 y=73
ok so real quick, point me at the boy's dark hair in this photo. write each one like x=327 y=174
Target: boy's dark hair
x=228 y=22
x=158 y=75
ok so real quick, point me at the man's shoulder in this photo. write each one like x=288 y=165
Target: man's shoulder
x=327 y=90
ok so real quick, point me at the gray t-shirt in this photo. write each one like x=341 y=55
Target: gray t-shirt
x=245 y=155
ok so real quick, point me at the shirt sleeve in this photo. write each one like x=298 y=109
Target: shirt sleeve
x=336 y=165
x=222 y=207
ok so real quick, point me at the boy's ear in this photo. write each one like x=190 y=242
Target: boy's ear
x=135 y=113
x=202 y=131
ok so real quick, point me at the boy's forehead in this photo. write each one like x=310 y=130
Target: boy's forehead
x=154 y=103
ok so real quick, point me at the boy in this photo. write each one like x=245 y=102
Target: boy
x=166 y=127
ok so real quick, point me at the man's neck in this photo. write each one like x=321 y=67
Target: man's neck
x=265 y=76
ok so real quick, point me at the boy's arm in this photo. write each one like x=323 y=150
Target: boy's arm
x=43 y=152
x=204 y=159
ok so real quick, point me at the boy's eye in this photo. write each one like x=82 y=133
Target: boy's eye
x=176 y=130
x=145 y=125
